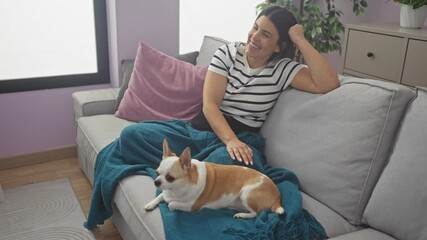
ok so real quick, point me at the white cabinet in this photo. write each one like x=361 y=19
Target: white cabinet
x=386 y=52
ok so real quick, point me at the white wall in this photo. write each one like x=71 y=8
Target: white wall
x=205 y=17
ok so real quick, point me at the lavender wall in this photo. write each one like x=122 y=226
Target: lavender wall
x=156 y=22
x=42 y=120
x=37 y=120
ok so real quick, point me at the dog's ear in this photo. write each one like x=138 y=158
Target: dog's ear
x=185 y=159
x=166 y=150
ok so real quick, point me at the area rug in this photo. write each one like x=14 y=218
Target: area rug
x=46 y=210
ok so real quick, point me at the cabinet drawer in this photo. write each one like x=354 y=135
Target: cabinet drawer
x=415 y=70
x=374 y=54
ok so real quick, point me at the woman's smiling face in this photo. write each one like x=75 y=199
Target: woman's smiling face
x=262 y=41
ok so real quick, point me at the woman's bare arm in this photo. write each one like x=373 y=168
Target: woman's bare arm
x=213 y=93
x=320 y=77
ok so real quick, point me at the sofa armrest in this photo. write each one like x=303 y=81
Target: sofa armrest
x=95 y=102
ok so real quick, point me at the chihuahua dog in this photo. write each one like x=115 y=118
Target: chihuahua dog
x=190 y=185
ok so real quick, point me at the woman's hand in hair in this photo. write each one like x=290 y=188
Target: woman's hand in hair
x=320 y=76
x=296 y=33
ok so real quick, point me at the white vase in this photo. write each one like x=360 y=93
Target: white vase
x=412 y=18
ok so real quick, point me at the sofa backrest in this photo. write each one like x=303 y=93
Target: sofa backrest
x=399 y=200
x=209 y=46
x=337 y=143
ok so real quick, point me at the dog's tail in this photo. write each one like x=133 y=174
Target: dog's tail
x=277 y=207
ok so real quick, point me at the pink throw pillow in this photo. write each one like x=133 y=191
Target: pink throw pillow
x=162 y=87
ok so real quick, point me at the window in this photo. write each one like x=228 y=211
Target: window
x=52 y=44
x=227 y=19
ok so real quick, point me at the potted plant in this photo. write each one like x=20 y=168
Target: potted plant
x=322 y=29
x=412 y=13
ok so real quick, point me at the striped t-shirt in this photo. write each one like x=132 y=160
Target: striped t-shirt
x=251 y=93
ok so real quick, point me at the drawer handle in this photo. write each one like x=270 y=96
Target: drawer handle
x=370 y=54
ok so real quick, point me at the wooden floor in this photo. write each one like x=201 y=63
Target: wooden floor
x=59 y=169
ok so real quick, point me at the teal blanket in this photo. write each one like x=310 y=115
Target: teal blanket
x=138 y=151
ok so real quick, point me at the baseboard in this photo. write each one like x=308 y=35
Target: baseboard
x=38 y=157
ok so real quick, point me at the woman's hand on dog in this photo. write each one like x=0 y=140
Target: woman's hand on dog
x=239 y=151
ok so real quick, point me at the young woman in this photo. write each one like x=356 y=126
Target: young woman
x=245 y=79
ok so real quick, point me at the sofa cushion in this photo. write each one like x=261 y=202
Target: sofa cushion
x=207 y=50
x=333 y=223
x=93 y=134
x=94 y=102
x=337 y=143
x=398 y=202
x=365 y=234
x=127 y=69
x=190 y=57
x=162 y=87
x=130 y=197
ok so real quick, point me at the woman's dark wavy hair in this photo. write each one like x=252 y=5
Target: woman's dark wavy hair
x=282 y=19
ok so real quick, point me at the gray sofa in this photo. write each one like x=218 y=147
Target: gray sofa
x=360 y=153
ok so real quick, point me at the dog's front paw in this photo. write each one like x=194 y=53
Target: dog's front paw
x=150 y=206
x=173 y=206
x=180 y=206
x=245 y=215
